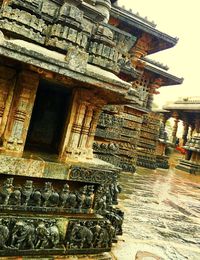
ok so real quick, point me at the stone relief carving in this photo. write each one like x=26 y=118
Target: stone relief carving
x=31 y=198
x=29 y=234
x=90 y=234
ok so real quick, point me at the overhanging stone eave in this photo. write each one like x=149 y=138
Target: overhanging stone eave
x=95 y=77
x=169 y=78
x=129 y=19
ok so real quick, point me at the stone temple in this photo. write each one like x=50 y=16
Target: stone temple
x=76 y=92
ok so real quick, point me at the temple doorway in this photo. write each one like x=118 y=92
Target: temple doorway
x=48 y=118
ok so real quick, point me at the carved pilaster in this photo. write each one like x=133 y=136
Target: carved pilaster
x=20 y=113
x=86 y=126
x=7 y=84
x=79 y=137
x=92 y=131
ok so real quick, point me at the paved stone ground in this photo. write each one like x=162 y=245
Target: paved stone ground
x=162 y=216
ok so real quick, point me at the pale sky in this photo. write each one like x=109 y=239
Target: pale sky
x=178 y=18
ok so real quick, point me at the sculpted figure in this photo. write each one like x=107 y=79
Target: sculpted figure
x=37 y=198
x=54 y=236
x=54 y=199
x=100 y=204
x=23 y=235
x=27 y=190
x=103 y=238
x=81 y=236
x=75 y=238
x=71 y=202
x=6 y=190
x=15 y=198
x=47 y=236
x=47 y=192
x=64 y=195
x=4 y=234
x=80 y=197
x=42 y=236
x=89 y=196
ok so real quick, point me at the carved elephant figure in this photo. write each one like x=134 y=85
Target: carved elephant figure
x=81 y=236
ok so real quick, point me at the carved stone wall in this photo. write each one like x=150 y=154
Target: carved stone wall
x=117 y=136
x=149 y=135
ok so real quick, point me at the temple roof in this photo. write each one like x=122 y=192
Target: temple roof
x=139 y=25
x=186 y=104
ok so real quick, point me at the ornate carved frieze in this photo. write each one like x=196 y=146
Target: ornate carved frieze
x=20 y=235
x=92 y=175
x=44 y=235
x=90 y=235
x=44 y=198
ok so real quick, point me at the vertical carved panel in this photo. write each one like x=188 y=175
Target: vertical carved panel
x=92 y=131
x=20 y=114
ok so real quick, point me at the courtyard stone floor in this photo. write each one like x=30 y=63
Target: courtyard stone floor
x=162 y=215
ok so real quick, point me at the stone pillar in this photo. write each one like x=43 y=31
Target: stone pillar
x=153 y=86
x=72 y=149
x=20 y=113
x=7 y=84
x=175 y=128
x=185 y=132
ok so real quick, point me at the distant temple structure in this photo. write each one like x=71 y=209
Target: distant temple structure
x=127 y=135
x=74 y=86
x=187 y=110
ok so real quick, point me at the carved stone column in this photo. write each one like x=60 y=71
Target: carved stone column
x=175 y=127
x=20 y=113
x=185 y=131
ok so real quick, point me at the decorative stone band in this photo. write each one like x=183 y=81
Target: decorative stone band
x=49 y=170
x=58 y=236
x=44 y=196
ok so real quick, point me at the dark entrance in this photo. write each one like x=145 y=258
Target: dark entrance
x=48 y=118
